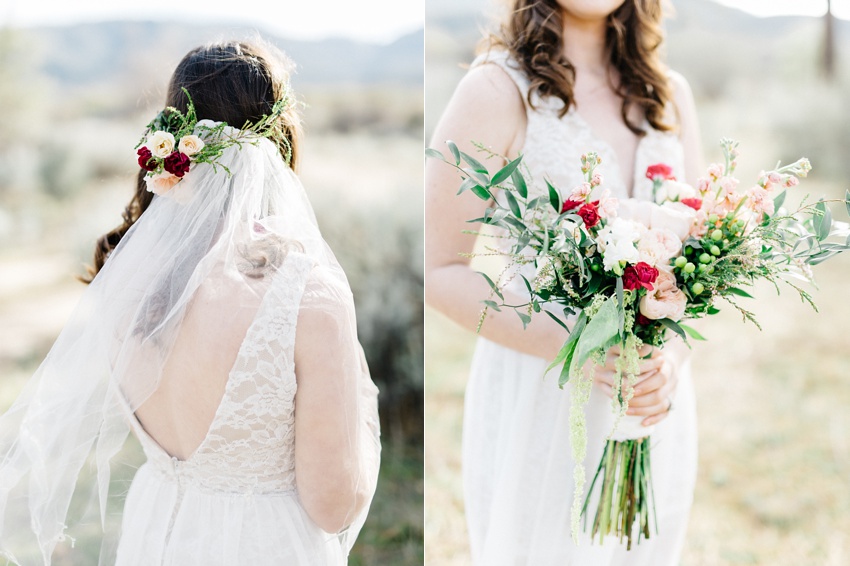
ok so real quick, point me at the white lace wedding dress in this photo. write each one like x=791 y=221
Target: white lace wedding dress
x=235 y=499
x=517 y=464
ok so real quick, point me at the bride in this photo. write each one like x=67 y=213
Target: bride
x=563 y=77
x=218 y=328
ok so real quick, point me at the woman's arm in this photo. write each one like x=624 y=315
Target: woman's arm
x=486 y=107
x=335 y=460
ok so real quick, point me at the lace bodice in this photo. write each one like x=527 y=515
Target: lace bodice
x=249 y=448
x=553 y=144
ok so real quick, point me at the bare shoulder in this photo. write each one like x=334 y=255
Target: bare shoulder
x=486 y=106
x=683 y=96
x=489 y=84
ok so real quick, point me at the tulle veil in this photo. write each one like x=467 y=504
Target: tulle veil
x=232 y=223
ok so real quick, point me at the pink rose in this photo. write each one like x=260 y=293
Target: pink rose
x=161 y=183
x=607 y=205
x=657 y=246
x=665 y=300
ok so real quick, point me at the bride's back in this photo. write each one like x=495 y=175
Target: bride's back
x=180 y=411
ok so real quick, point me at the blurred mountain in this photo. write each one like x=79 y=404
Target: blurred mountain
x=92 y=53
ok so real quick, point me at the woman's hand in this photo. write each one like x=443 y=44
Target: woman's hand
x=655 y=386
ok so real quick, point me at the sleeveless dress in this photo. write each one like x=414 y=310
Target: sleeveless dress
x=235 y=499
x=517 y=463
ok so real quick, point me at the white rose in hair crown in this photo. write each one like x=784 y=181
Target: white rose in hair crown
x=173 y=142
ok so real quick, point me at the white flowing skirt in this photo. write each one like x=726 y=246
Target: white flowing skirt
x=218 y=529
x=518 y=467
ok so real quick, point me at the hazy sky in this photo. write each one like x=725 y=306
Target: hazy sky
x=370 y=20
x=840 y=8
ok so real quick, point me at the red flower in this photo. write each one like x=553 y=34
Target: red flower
x=177 y=163
x=590 y=214
x=145 y=161
x=660 y=171
x=640 y=275
x=642 y=320
x=570 y=204
x=695 y=203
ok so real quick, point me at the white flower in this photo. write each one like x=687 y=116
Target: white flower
x=190 y=145
x=637 y=210
x=673 y=216
x=673 y=191
x=617 y=242
x=161 y=144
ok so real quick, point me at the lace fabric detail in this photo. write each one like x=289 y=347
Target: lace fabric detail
x=250 y=446
x=554 y=144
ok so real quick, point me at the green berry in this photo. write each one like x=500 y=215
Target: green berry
x=698 y=288
x=714 y=250
x=710 y=269
x=704 y=258
x=688 y=250
x=717 y=235
x=703 y=268
x=713 y=218
x=690 y=267
x=681 y=261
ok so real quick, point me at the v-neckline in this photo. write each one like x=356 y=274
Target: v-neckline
x=631 y=186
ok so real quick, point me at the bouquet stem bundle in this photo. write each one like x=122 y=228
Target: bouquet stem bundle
x=627 y=501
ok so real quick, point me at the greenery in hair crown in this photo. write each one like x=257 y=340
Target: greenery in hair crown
x=173 y=142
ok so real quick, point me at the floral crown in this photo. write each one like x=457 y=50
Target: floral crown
x=171 y=144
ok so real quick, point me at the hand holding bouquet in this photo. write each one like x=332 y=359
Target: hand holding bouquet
x=627 y=272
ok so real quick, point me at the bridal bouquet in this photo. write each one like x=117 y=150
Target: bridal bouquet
x=628 y=272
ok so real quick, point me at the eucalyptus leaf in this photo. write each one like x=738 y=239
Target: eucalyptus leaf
x=506 y=171
x=674 y=326
x=524 y=318
x=739 y=292
x=601 y=333
x=822 y=221
x=847 y=201
x=467 y=184
x=434 y=154
x=474 y=163
x=493 y=305
x=554 y=197
x=455 y=151
x=513 y=204
x=481 y=192
x=692 y=332
x=519 y=183
x=492 y=284
x=779 y=199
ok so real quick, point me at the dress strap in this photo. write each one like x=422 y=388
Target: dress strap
x=507 y=63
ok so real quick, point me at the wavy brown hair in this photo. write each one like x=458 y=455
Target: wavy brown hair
x=533 y=35
x=237 y=82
